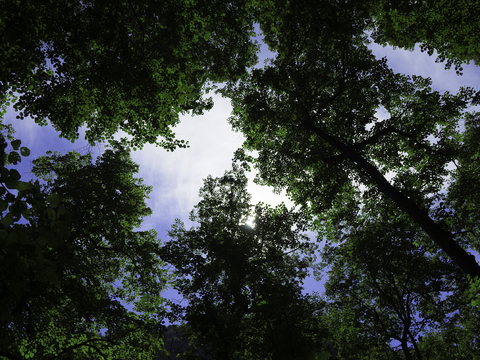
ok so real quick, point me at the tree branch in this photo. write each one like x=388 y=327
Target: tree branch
x=85 y=343
x=444 y=239
x=375 y=137
x=9 y=356
x=275 y=257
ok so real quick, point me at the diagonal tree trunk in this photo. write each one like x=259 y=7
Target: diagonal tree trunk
x=444 y=239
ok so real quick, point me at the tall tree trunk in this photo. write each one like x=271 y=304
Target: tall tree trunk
x=444 y=239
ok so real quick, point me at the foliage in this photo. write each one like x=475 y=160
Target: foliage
x=461 y=206
x=135 y=67
x=450 y=28
x=120 y=65
x=74 y=257
x=69 y=250
x=387 y=281
x=6 y=133
x=311 y=115
x=242 y=283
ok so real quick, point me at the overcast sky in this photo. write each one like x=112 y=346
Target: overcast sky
x=176 y=177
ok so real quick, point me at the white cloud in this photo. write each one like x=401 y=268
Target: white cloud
x=177 y=176
x=420 y=63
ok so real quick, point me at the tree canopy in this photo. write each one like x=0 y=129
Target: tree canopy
x=311 y=116
x=67 y=268
x=449 y=28
x=120 y=65
x=402 y=188
x=241 y=283
x=135 y=66
x=387 y=282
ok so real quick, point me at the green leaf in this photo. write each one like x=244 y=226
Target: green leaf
x=42 y=240
x=24 y=186
x=324 y=355
x=3 y=205
x=14 y=175
x=24 y=151
x=51 y=214
x=14 y=158
x=11 y=183
x=54 y=200
x=16 y=144
x=7 y=221
x=51 y=277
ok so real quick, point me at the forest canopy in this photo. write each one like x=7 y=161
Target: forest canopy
x=80 y=277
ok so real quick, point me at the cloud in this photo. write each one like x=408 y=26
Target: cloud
x=177 y=177
x=420 y=63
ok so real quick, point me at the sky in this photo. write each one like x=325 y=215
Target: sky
x=177 y=177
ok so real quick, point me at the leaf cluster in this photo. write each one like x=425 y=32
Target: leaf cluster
x=70 y=255
x=118 y=65
x=241 y=283
x=387 y=282
x=446 y=28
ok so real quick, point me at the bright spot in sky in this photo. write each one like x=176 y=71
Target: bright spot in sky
x=249 y=221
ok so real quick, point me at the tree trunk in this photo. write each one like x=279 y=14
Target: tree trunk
x=444 y=239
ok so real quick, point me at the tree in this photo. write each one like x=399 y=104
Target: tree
x=387 y=281
x=76 y=259
x=461 y=207
x=311 y=115
x=130 y=66
x=242 y=283
x=449 y=27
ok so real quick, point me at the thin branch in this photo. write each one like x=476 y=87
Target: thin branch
x=443 y=238
x=8 y=355
x=85 y=343
x=274 y=258
x=375 y=137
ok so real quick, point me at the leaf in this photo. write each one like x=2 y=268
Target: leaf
x=16 y=144
x=54 y=200
x=324 y=355
x=14 y=175
x=51 y=214
x=3 y=234
x=7 y=221
x=14 y=158
x=51 y=277
x=24 y=151
x=24 y=186
x=3 y=205
x=42 y=240
x=11 y=183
